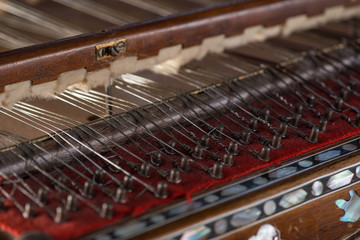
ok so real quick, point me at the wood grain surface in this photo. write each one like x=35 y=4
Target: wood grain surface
x=44 y=62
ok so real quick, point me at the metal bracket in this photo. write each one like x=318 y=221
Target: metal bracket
x=110 y=49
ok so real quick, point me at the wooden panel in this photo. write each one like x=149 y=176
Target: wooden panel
x=46 y=61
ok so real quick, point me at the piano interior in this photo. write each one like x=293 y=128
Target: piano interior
x=238 y=130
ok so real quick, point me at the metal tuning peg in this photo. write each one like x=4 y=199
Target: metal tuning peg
x=228 y=159
x=174 y=176
x=99 y=176
x=322 y=125
x=328 y=114
x=71 y=203
x=264 y=154
x=283 y=129
x=310 y=100
x=107 y=211
x=245 y=138
x=170 y=147
x=344 y=93
x=144 y=170
x=298 y=108
x=120 y=195
x=162 y=190
x=42 y=195
x=357 y=120
x=156 y=158
x=339 y=102
x=266 y=114
x=205 y=141
x=314 y=135
x=198 y=152
x=253 y=124
x=233 y=148
x=217 y=170
x=88 y=190
x=185 y=164
x=295 y=119
x=60 y=215
x=128 y=183
x=29 y=210
x=276 y=142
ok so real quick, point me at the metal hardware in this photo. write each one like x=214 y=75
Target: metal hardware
x=110 y=49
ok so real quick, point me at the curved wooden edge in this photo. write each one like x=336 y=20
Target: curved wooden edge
x=44 y=62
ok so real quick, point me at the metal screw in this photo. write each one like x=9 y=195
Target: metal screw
x=102 y=52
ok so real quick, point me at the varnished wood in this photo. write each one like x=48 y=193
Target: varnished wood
x=44 y=62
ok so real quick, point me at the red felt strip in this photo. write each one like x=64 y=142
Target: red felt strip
x=86 y=220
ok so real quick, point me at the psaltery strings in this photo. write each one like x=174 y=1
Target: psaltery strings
x=27 y=22
x=160 y=133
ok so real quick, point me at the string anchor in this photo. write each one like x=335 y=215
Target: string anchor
x=264 y=154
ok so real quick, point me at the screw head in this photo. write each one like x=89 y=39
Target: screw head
x=102 y=52
x=120 y=46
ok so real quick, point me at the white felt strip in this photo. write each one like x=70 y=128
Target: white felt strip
x=170 y=59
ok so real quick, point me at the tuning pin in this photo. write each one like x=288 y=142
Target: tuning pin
x=218 y=133
x=88 y=190
x=106 y=211
x=162 y=190
x=156 y=158
x=42 y=195
x=344 y=93
x=144 y=170
x=99 y=176
x=198 y=152
x=205 y=141
x=276 y=141
x=314 y=135
x=120 y=195
x=61 y=181
x=299 y=108
x=264 y=154
x=60 y=215
x=357 y=120
x=328 y=114
x=233 y=148
x=71 y=203
x=283 y=129
x=2 y=204
x=170 y=148
x=310 y=99
x=338 y=104
x=253 y=124
x=174 y=176
x=185 y=164
x=322 y=125
x=295 y=120
x=245 y=138
x=128 y=183
x=228 y=159
x=266 y=114
x=216 y=170
x=29 y=210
